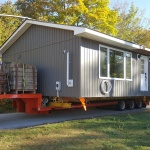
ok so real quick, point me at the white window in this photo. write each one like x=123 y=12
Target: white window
x=114 y=63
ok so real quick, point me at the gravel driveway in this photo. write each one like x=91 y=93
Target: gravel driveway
x=22 y=120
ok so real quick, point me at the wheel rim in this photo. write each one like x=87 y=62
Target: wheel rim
x=139 y=104
x=121 y=105
x=131 y=104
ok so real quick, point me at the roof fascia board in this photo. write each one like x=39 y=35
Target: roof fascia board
x=107 y=37
x=77 y=30
x=16 y=34
x=147 y=49
x=28 y=23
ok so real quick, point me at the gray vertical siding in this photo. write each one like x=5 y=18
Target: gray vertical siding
x=90 y=82
x=89 y=69
x=43 y=47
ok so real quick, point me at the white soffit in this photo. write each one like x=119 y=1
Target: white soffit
x=28 y=23
x=78 y=31
x=106 y=39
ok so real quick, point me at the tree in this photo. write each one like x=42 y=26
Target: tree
x=143 y=38
x=35 y=9
x=93 y=14
x=8 y=24
x=131 y=25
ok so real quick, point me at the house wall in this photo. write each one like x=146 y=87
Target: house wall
x=90 y=81
x=43 y=47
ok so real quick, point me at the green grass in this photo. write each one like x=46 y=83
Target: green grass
x=124 y=132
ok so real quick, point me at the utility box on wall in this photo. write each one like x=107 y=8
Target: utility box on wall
x=58 y=85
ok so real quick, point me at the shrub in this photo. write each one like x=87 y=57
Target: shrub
x=6 y=105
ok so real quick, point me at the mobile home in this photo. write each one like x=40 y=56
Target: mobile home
x=76 y=62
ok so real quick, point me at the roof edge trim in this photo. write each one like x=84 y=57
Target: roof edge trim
x=111 y=38
x=79 y=31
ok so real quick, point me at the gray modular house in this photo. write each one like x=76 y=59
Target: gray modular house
x=79 y=62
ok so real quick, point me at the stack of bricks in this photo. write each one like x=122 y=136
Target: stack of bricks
x=22 y=78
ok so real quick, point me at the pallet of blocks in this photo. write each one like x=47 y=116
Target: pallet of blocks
x=22 y=78
x=3 y=79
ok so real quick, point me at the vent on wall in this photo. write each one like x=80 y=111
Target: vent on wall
x=106 y=86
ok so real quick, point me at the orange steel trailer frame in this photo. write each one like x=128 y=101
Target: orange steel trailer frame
x=32 y=103
x=28 y=103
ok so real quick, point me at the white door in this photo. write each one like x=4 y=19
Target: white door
x=144 y=73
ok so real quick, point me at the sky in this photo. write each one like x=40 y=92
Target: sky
x=141 y=4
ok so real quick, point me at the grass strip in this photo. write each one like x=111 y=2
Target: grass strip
x=123 y=132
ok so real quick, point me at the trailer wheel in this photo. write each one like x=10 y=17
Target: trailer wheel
x=139 y=104
x=121 y=105
x=144 y=105
x=131 y=104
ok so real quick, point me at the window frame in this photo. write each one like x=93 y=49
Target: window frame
x=108 y=63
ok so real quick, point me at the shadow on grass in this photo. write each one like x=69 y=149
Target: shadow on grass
x=106 y=133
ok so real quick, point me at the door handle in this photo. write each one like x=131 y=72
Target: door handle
x=145 y=77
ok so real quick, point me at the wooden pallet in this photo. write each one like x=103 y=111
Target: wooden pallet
x=22 y=78
x=3 y=79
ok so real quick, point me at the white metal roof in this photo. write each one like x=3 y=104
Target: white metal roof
x=78 y=31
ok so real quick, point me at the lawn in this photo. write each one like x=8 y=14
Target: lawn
x=123 y=132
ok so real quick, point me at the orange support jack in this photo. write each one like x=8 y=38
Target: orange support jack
x=82 y=100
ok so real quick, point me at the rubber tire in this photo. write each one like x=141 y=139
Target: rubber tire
x=144 y=105
x=121 y=105
x=131 y=105
x=139 y=104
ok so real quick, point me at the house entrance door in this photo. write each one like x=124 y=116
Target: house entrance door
x=144 y=73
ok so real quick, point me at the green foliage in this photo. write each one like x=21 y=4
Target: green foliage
x=35 y=9
x=8 y=24
x=132 y=24
x=143 y=37
x=129 y=22
x=92 y=14
x=6 y=105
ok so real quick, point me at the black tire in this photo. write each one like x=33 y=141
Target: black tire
x=144 y=105
x=121 y=105
x=130 y=104
x=139 y=104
